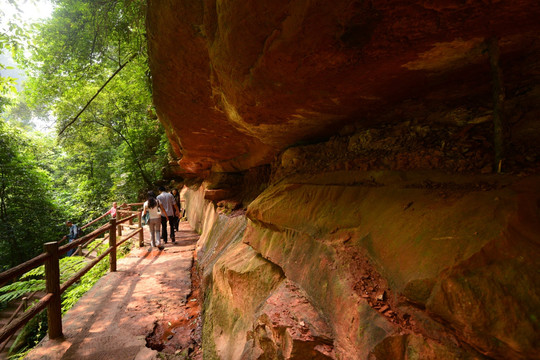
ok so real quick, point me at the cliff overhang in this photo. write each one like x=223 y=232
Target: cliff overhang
x=237 y=82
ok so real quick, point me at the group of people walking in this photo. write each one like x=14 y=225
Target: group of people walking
x=162 y=208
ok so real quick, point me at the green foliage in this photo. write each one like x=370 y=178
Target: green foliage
x=113 y=152
x=28 y=213
x=115 y=149
x=30 y=336
x=19 y=289
x=12 y=33
x=7 y=88
x=13 y=38
x=80 y=47
x=75 y=292
x=34 y=280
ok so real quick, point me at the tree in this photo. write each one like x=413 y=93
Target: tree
x=28 y=214
x=13 y=36
x=83 y=45
x=89 y=66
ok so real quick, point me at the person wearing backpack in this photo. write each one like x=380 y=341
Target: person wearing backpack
x=74 y=232
x=152 y=206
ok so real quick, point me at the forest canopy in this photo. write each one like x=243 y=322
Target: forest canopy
x=87 y=74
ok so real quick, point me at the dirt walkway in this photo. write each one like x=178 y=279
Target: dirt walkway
x=148 y=299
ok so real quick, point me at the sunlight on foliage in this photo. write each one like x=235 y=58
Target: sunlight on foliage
x=22 y=176
x=114 y=150
x=87 y=70
x=34 y=280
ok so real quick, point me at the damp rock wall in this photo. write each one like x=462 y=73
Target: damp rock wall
x=373 y=265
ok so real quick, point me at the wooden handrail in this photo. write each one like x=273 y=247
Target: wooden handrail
x=54 y=288
x=98 y=244
x=123 y=206
x=28 y=315
x=129 y=236
x=90 y=241
x=93 y=221
x=93 y=235
x=83 y=271
x=135 y=204
x=121 y=221
x=22 y=268
x=130 y=211
x=40 y=259
x=24 y=303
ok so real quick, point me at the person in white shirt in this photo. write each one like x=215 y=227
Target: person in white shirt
x=154 y=207
x=167 y=200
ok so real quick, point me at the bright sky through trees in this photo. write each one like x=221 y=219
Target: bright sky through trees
x=30 y=10
x=20 y=13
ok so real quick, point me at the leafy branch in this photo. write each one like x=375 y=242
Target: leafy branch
x=97 y=93
x=130 y=146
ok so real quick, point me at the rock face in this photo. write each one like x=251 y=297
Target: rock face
x=235 y=82
x=397 y=270
x=340 y=162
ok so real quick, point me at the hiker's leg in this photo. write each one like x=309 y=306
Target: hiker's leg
x=151 y=236
x=155 y=232
x=70 y=251
x=164 y=228
x=172 y=221
x=152 y=224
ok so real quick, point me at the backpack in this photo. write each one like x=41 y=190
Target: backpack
x=145 y=218
x=79 y=232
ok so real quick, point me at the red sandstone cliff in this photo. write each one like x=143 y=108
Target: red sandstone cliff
x=348 y=210
x=236 y=82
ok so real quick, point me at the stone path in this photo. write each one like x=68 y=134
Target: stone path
x=112 y=321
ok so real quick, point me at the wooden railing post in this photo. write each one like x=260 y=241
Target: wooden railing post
x=112 y=244
x=52 y=285
x=141 y=233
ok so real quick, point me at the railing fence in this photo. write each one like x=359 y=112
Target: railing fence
x=51 y=258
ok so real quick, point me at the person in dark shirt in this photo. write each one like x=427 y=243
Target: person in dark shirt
x=73 y=234
x=176 y=196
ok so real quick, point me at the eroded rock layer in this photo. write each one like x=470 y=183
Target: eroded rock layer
x=378 y=265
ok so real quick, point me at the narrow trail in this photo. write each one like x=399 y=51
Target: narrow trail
x=146 y=306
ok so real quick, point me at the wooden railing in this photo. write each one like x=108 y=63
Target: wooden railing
x=51 y=258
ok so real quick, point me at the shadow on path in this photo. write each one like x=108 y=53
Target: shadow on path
x=113 y=319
